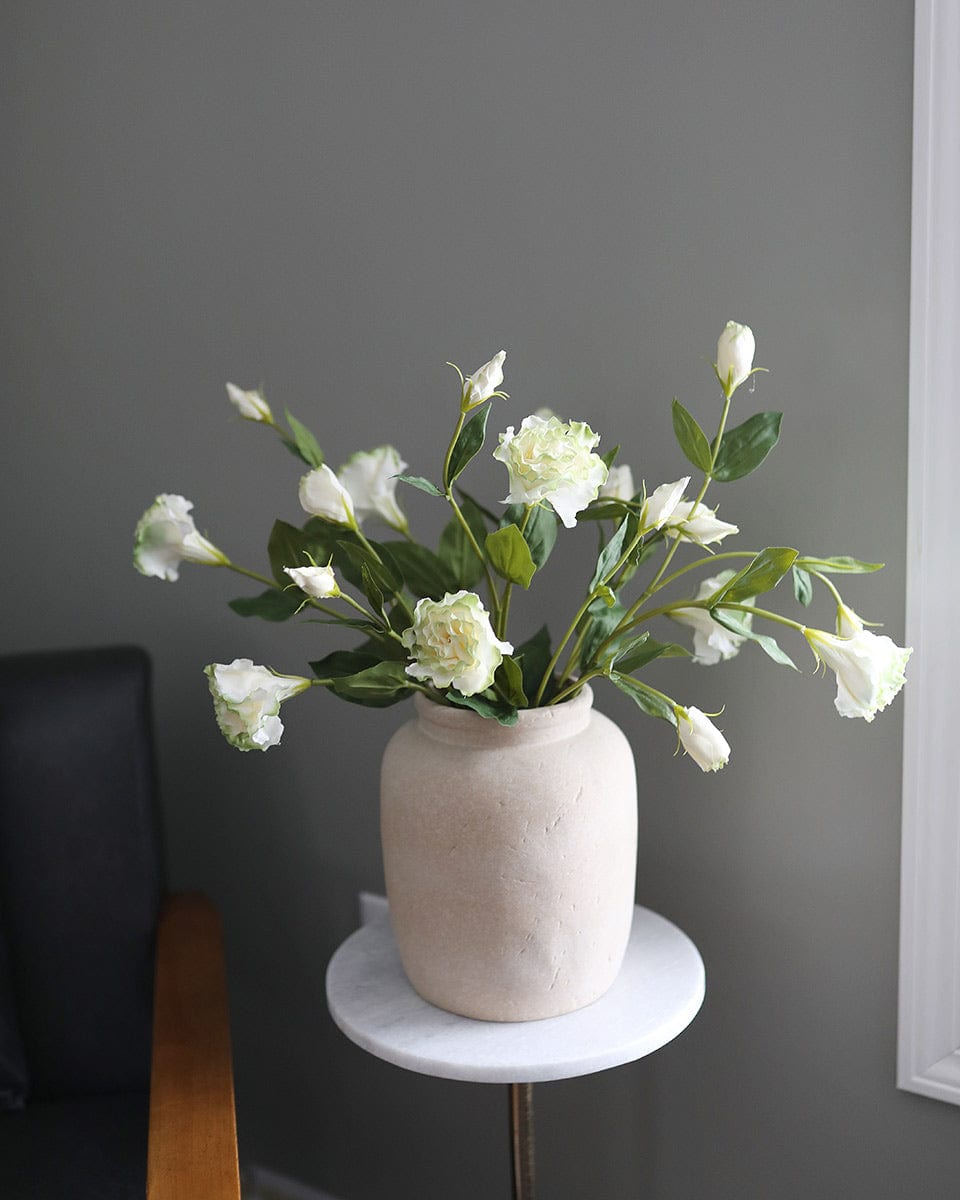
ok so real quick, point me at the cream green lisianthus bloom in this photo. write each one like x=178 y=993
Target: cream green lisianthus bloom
x=659 y=507
x=247 y=699
x=701 y=739
x=552 y=460
x=452 y=643
x=370 y=478
x=166 y=536
x=712 y=642
x=870 y=668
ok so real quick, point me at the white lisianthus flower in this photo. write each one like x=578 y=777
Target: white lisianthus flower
x=659 y=507
x=712 y=642
x=869 y=669
x=735 y=350
x=452 y=643
x=247 y=699
x=698 y=525
x=552 y=460
x=318 y=582
x=166 y=536
x=250 y=404
x=369 y=477
x=323 y=495
x=619 y=485
x=480 y=386
x=701 y=739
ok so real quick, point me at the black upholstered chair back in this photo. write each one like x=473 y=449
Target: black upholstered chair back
x=79 y=866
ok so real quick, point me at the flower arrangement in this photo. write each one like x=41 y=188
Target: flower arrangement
x=427 y=629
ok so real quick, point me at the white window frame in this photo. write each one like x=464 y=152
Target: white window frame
x=929 y=1034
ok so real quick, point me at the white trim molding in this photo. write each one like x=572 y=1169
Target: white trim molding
x=929 y=1033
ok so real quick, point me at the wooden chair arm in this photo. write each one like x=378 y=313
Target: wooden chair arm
x=192 y=1143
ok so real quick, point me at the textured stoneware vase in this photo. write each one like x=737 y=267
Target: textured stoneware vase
x=510 y=857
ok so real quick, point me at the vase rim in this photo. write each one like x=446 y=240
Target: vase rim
x=546 y=723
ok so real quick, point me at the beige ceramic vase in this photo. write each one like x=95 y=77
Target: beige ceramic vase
x=510 y=857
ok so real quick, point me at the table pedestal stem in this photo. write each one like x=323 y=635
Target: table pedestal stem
x=521 y=1140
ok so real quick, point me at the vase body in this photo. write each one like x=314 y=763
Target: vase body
x=510 y=857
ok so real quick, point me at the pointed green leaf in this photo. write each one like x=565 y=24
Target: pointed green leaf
x=743 y=449
x=645 y=649
x=534 y=657
x=458 y=555
x=612 y=552
x=610 y=457
x=486 y=708
x=651 y=702
x=692 y=439
x=734 y=622
x=359 y=555
x=603 y=620
x=423 y=571
x=376 y=687
x=510 y=555
x=307 y=446
x=840 y=565
x=273 y=605
x=802 y=585
x=607 y=510
x=468 y=443
x=424 y=485
x=509 y=682
x=541 y=533
x=344 y=662
x=760 y=575
x=289 y=547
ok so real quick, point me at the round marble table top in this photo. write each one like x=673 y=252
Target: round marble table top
x=656 y=995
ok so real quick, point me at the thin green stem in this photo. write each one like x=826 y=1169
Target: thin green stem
x=828 y=584
x=271 y=583
x=574 y=686
x=559 y=650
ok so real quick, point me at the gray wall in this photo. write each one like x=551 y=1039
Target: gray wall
x=335 y=198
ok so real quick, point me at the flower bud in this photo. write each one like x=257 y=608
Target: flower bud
x=318 y=582
x=323 y=495
x=250 y=405
x=735 y=350
x=481 y=385
x=701 y=739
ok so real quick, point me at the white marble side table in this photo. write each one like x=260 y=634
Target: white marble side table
x=655 y=997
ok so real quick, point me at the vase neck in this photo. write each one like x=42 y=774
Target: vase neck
x=463 y=727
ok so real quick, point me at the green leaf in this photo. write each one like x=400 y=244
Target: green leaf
x=610 y=457
x=307 y=446
x=802 y=585
x=603 y=620
x=607 y=510
x=273 y=605
x=692 y=439
x=840 y=565
x=424 y=573
x=645 y=649
x=468 y=443
x=760 y=575
x=651 y=702
x=376 y=687
x=612 y=552
x=289 y=546
x=424 y=485
x=345 y=662
x=534 y=657
x=510 y=555
x=509 y=683
x=467 y=501
x=743 y=449
x=360 y=555
x=459 y=556
x=486 y=708
x=735 y=624
x=541 y=533
x=372 y=590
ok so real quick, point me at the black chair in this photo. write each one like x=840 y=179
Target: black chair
x=83 y=921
